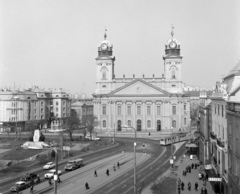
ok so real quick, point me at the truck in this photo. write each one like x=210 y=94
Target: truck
x=74 y=164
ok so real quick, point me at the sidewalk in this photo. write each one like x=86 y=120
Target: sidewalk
x=191 y=177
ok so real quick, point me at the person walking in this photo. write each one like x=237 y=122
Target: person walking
x=196 y=186
x=86 y=185
x=179 y=190
x=118 y=164
x=114 y=167
x=189 y=186
x=49 y=182
x=206 y=177
x=107 y=172
x=182 y=185
x=95 y=173
x=31 y=188
x=202 y=190
x=59 y=181
x=192 y=165
x=17 y=190
x=205 y=190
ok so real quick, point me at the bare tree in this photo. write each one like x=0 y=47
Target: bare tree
x=89 y=122
x=71 y=123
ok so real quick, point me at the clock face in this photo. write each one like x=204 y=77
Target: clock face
x=172 y=44
x=138 y=89
x=104 y=46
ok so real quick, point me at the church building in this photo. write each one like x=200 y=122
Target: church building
x=145 y=104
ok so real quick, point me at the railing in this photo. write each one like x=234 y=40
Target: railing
x=212 y=135
x=220 y=143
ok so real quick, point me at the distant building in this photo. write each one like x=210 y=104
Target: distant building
x=83 y=107
x=147 y=104
x=33 y=107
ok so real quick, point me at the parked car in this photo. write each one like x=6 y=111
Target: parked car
x=70 y=166
x=50 y=174
x=88 y=137
x=49 y=165
x=21 y=186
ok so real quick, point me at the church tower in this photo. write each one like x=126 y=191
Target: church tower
x=104 y=67
x=173 y=63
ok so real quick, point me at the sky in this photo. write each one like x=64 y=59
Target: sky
x=53 y=43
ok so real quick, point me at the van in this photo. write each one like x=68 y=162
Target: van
x=77 y=161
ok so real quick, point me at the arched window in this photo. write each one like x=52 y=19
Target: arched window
x=174 y=124
x=104 y=75
x=104 y=110
x=173 y=74
x=104 y=124
x=129 y=123
x=148 y=124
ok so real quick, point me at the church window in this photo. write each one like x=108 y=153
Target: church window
x=119 y=110
x=174 y=110
x=148 y=110
x=138 y=110
x=158 y=110
x=104 y=110
x=104 y=124
x=173 y=74
x=148 y=124
x=56 y=103
x=184 y=106
x=129 y=123
x=174 y=124
x=185 y=121
x=104 y=75
x=129 y=110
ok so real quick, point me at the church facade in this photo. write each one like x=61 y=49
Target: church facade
x=145 y=104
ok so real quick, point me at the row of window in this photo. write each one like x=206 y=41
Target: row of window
x=219 y=110
x=139 y=110
x=129 y=123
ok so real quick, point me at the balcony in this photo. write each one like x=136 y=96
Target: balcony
x=220 y=143
x=212 y=135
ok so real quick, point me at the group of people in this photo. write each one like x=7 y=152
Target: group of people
x=50 y=180
x=107 y=173
x=189 y=168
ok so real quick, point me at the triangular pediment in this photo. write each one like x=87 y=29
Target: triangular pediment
x=139 y=87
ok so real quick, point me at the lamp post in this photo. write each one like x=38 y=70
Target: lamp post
x=56 y=171
x=135 y=171
x=16 y=108
x=114 y=133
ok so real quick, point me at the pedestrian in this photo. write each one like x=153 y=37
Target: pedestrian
x=118 y=164
x=17 y=189
x=114 y=167
x=189 y=186
x=179 y=181
x=95 y=173
x=86 y=185
x=200 y=176
x=149 y=134
x=202 y=190
x=206 y=177
x=49 y=181
x=107 y=172
x=31 y=188
x=179 y=190
x=190 y=170
x=196 y=186
x=183 y=172
x=205 y=190
x=59 y=179
x=203 y=177
x=182 y=185
x=192 y=165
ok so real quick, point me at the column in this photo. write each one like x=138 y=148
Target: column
x=98 y=113
x=154 y=116
x=109 y=115
x=144 y=115
x=114 y=113
x=124 y=112
x=134 y=114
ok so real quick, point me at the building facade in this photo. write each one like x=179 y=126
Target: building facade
x=146 y=104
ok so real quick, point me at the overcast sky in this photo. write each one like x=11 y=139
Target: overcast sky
x=53 y=43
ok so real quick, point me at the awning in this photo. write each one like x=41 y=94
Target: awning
x=208 y=167
x=191 y=145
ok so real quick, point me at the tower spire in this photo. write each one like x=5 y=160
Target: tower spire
x=172 y=33
x=105 y=34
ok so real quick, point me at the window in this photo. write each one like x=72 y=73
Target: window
x=64 y=102
x=35 y=103
x=184 y=106
x=174 y=110
x=56 y=109
x=104 y=75
x=222 y=111
x=158 y=110
x=129 y=123
x=119 y=110
x=215 y=109
x=129 y=110
x=174 y=124
x=104 y=86
x=173 y=86
x=35 y=110
x=56 y=103
x=185 y=121
x=173 y=74
x=148 y=124
x=138 y=110
x=41 y=117
x=41 y=110
x=41 y=103
x=218 y=109
x=148 y=110
x=104 y=124
x=104 y=110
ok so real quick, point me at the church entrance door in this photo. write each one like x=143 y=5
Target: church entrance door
x=119 y=126
x=158 y=125
x=139 y=125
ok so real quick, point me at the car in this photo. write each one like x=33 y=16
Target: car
x=93 y=138
x=70 y=166
x=49 y=165
x=21 y=186
x=50 y=174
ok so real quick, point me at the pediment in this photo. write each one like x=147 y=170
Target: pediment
x=140 y=88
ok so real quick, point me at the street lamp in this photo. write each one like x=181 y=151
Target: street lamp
x=16 y=108
x=135 y=172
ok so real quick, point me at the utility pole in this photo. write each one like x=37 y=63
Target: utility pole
x=135 y=179
x=114 y=133
x=56 y=171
